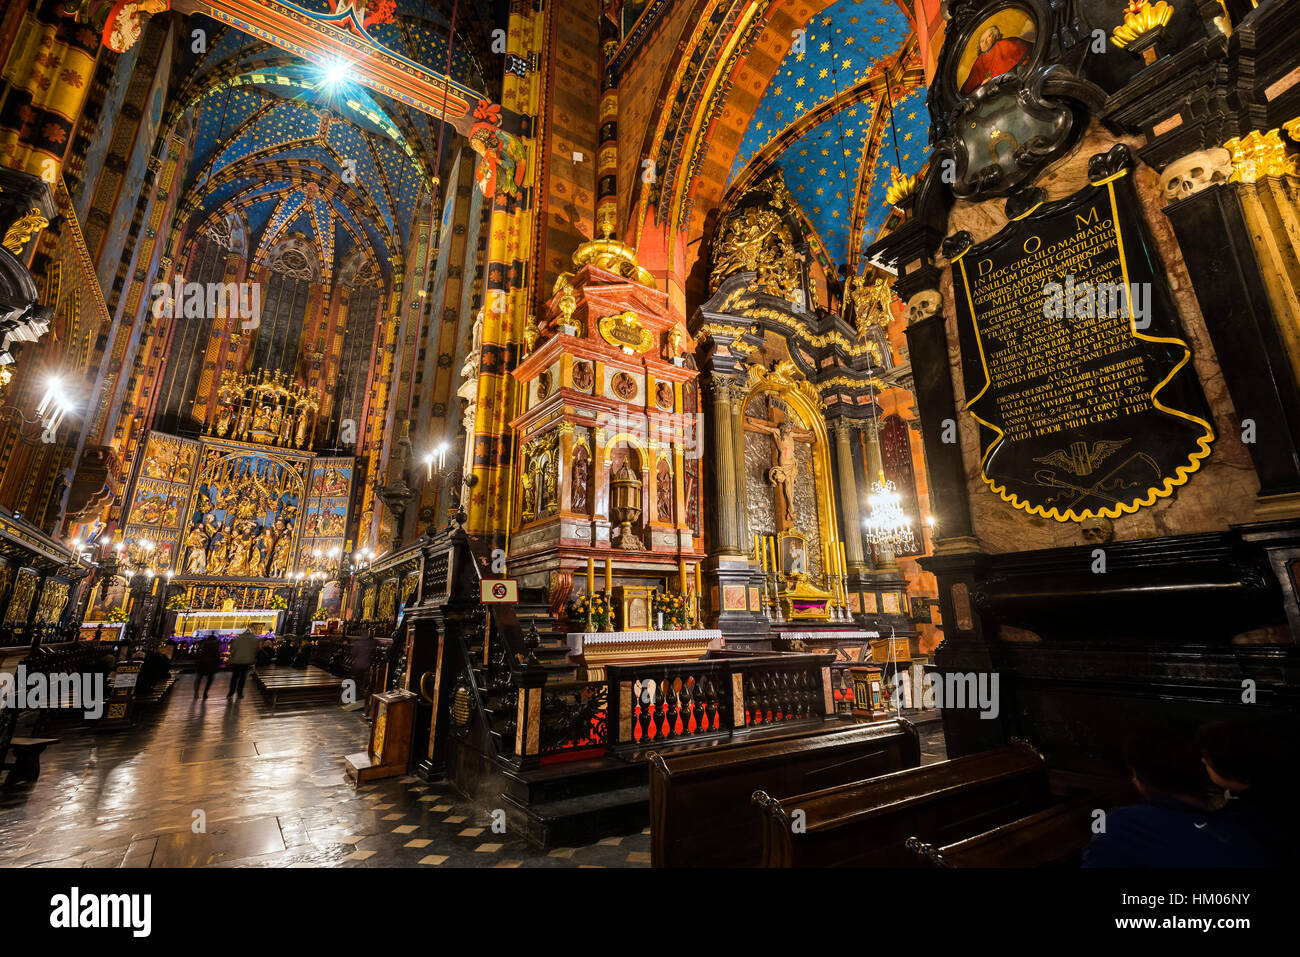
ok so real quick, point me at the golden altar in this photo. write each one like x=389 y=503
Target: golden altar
x=259 y=621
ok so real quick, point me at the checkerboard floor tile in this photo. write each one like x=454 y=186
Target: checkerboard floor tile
x=128 y=800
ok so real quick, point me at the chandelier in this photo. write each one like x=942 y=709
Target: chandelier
x=888 y=526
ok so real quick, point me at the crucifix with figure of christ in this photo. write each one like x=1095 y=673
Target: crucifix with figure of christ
x=783 y=429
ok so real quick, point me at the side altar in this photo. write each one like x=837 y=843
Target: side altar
x=609 y=442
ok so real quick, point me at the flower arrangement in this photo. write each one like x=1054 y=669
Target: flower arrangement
x=594 y=607
x=277 y=602
x=177 y=603
x=116 y=616
x=673 y=608
x=320 y=614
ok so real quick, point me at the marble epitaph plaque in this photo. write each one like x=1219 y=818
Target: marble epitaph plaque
x=1074 y=364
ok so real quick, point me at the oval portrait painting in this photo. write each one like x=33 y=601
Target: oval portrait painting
x=1001 y=43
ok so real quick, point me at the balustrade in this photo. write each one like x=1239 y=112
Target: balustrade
x=658 y=704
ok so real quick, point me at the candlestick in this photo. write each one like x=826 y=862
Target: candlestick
x=844 y=563
x=609 y=576
x=681 y=574
x=591 y=575
x=697 y=593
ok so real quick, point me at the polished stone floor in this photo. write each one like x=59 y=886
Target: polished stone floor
x=268 y=789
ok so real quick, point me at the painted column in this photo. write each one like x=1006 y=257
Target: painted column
x=510 y=251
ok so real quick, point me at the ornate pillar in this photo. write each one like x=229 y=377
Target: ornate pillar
x=849 y=499
x=724 y=446
x=740 y=502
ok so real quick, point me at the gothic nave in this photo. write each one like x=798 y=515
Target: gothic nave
x=674 y=433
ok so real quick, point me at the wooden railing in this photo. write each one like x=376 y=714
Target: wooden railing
x=724 y=696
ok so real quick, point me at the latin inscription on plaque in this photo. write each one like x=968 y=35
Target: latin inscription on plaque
x=1073 y=361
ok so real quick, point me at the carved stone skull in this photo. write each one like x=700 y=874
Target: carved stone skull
x=1194 y=172
x=924 y=303
x=1097 y=530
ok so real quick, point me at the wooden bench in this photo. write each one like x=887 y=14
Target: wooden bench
x=159 y=690
x=26 y=764
x=300 y=684
x=698 y=800
x=868 y=823
x=1054 y=837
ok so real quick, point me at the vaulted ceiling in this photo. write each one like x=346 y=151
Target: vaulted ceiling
x=295 y=148
x=831 y=116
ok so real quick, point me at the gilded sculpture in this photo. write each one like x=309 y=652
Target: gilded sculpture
x=871 y=303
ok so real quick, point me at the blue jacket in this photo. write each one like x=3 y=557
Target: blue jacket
x=1163 y=832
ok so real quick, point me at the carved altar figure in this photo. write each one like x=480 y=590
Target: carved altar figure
x=300 y=439
x=785 y=469
x=529 y=507
x=664 y=487
x=242 y=427
x=224 y=415
x=286 y=430
x=280 y=550
x=196 y=558
x=581 y=477
x=217 y=546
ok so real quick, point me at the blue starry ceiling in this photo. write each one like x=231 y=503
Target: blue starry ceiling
x=848 y=44
x=294 y=153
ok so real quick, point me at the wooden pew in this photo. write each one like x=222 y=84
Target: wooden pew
x=301 y=684
x=1054 y=837
x=867 y=823
x=698 y=800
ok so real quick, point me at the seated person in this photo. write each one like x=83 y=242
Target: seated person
x=1172 y=827
x=266 y=654
x=1253 y=771
x=285 y=653
x=303 y=658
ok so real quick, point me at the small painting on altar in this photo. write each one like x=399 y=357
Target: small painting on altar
x=794 y=554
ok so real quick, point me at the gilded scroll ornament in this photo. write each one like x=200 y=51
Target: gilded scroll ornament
x=22 y=230
x=901 y=188
x=1140 y=20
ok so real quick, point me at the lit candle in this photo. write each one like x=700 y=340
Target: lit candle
x=609 y=575
x=591 y=575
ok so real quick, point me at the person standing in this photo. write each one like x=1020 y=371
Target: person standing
x=243 y=652
x=207 y=659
